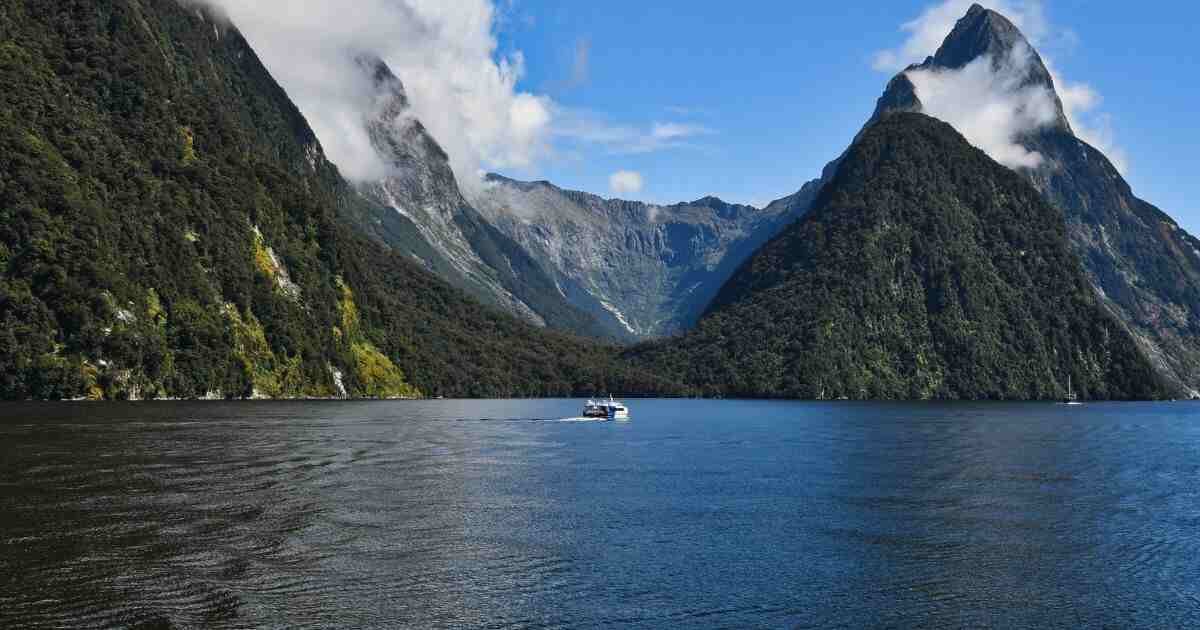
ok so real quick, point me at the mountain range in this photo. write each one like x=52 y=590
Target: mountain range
x=567 y=260
x=642 y=270
x=172 y=228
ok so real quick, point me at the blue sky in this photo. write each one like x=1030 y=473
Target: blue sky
x=751 y=103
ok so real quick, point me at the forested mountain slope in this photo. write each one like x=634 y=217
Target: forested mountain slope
x=170 y=226
x=924 y=270
x=1145 y=268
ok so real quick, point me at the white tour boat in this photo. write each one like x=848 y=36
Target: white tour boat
x=610 y=409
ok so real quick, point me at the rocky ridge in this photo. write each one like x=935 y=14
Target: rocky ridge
x=643 y=270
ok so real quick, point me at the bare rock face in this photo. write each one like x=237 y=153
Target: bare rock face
x=1142 y=264
x=423 y=212
x=642 y=270
x=573 y=261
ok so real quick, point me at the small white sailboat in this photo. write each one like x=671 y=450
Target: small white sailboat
x=1071 y=398
x=610 y=409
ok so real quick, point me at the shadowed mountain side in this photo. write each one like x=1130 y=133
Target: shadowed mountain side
x=643 y=270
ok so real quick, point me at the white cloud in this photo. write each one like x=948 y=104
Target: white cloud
x=667 y=132
x=581 y=63
x=446 y=54
x=462 y=86
x=625 y=183
x=1080 y=103
x=681 y=110
x=927 y=32
x=589 y=129
x=984 y=101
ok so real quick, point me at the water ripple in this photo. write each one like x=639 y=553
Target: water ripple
x=513 y=514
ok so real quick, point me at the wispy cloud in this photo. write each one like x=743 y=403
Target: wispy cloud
x=464 y=89
x=587 y=128
x=626 y=183
x=684 y=111
x=986 y=102
x=581 y=63
x=1081 y=103
x=446 y=53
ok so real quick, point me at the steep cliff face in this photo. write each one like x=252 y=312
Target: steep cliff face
x=433 y=222
x=1143 y=265
x=924 y=270
x=643 y=270
x=170 y=226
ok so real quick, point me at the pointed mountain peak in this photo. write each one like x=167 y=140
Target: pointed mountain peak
x=983 y=36
x=986 y=34
x=981 y=32
x=709 y=201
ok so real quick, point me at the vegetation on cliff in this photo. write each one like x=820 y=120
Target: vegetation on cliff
x=170 y=227
x=926 y=270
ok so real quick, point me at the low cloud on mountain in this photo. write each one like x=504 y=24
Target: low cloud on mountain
x=461 y=85
x=985 y=100
x=446 y=53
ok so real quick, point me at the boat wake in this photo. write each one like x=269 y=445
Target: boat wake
x=575 y=419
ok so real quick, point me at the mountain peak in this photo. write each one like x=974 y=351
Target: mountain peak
x=709 y=201
x=981 y=32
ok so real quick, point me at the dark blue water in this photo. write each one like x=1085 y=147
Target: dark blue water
x=488 y=514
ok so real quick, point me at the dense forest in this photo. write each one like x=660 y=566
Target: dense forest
x=925 y=270
x=170 y=227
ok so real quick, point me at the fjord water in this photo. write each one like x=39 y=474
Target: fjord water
x=697 y=514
